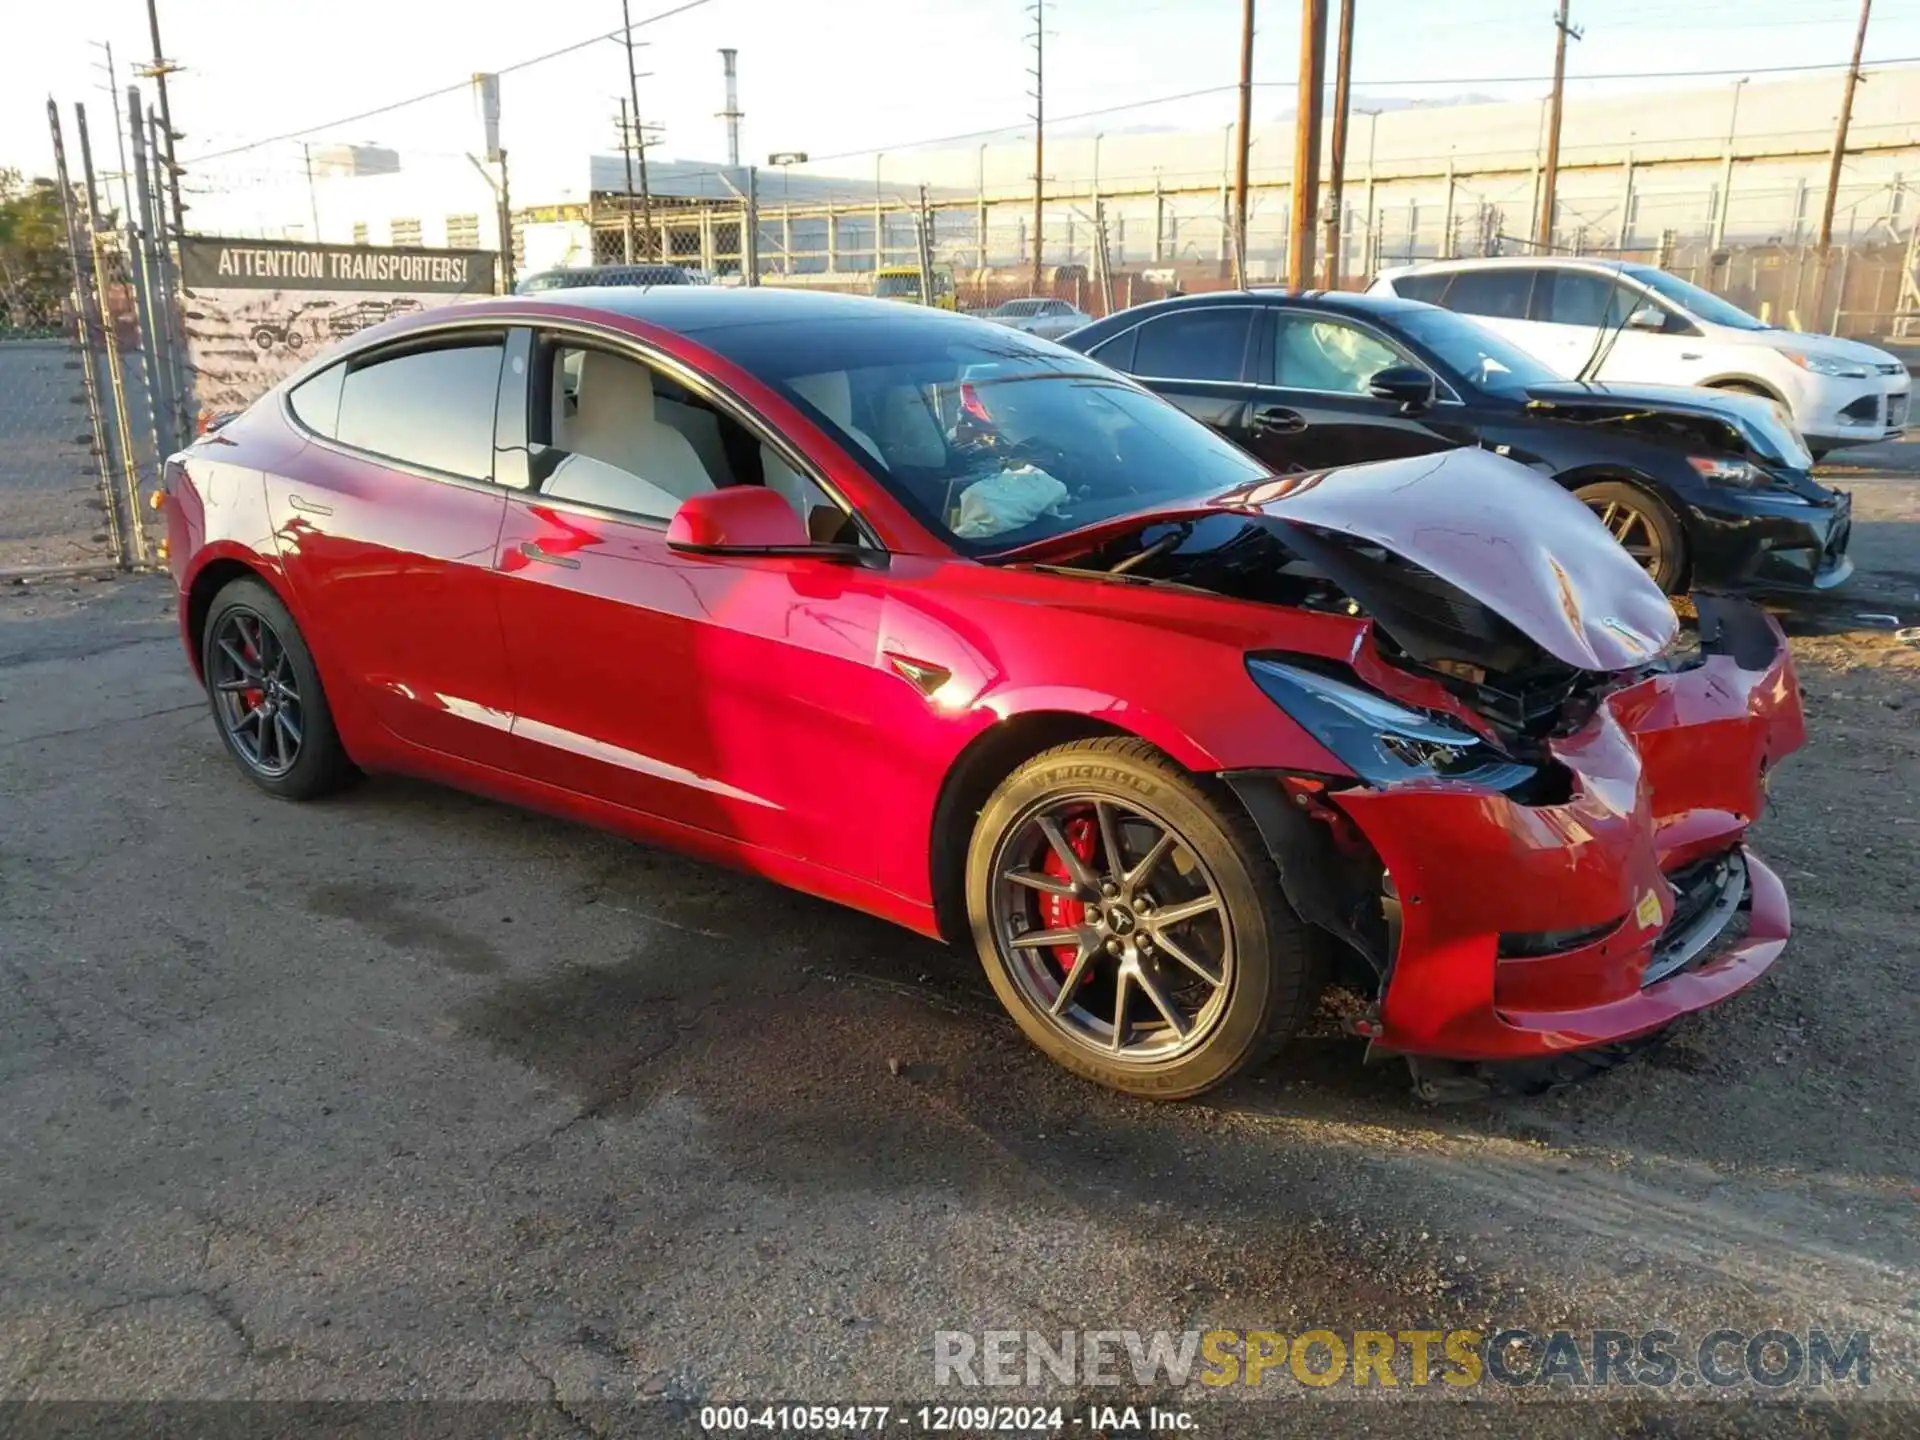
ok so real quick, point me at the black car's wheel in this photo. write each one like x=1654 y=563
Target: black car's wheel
x=1646 y=529
x=266 y=695
x=1132 y=922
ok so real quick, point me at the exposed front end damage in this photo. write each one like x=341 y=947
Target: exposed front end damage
x=1538 y=843
x=1504 y=930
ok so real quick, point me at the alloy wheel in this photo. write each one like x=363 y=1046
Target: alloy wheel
x=256 y=692
x=1634 y=529
x=1112 y=928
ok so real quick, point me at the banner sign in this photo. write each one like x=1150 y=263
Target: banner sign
x=257 y=310
x=208 y=263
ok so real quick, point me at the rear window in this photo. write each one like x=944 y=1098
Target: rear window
x=1425 y=286
x=1117 y=352
x=1194 y=345
x=426 y=407
x=316 y=402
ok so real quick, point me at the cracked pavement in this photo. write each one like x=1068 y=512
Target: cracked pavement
x=410 y=1095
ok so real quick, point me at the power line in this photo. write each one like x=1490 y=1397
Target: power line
x=1358 y=85
x=1615 y=75
x=455 y=88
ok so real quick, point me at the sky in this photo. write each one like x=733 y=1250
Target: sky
x=839 y=80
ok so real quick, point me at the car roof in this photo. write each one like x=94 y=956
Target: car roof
x=1507 y=262
x=692 y=309
x=1349 y=302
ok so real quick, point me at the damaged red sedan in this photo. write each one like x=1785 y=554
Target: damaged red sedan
x=952 y=625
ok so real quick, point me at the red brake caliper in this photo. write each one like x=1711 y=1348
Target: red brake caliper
x=1057 y=911
x=254 y=698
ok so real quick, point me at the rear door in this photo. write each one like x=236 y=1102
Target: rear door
x=387 y=533
x=1499 y=297
x=1197 y=358
x=1312 y=408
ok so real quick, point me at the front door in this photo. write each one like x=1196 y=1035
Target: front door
x=1575 y=312
x=1312 y=409
x=388 y=538
x=740 y=696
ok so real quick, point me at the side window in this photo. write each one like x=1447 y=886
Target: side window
x=1117 y=352
x=609 y=430
x=1580 y=297
x=1318 y=352
x=1498 y=293
x=602 y=432
x=426 y=407
x=316 y=401
x=1423 y=286
x=1196 y=345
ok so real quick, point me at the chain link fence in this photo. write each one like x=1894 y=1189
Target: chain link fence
x=83 y=422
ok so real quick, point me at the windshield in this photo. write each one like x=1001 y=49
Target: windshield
x=892 y=287
x=1702 y=303
x=1483 y=358
x=990 y=440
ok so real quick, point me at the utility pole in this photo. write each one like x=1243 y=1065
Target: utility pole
x=732 y=114
x=1242 y=151
x=1039 y=92
x=626 y=150
x=1543 y=232
x=1726 y=172
x=1840 y=132
x=1306 y=142
x=119 y=131
x=639 y=132
x=1337 y=158
x=159 y=70
x=313 y=199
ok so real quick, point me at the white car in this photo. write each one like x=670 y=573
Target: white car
x=1614 y=320
x=1049 y=319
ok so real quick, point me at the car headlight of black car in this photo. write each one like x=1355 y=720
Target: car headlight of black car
x=1381 y=740
x=1737 y=475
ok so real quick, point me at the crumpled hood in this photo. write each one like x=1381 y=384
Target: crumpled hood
x=1512 y=540
x=1684 y=399
x=1766 y=424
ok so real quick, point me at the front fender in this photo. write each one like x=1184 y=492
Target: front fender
x=1204 y=737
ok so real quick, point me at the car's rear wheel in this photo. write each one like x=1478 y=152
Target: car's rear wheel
x=266 y=695
x=1646 y=529
x=1132 y=922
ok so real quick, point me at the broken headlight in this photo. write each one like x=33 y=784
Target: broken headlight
x=1381 y=740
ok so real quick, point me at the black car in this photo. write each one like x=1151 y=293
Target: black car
x=1703 y=487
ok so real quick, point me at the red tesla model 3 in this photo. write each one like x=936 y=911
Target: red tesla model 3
x=947 y=623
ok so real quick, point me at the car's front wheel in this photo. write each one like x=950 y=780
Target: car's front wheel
x=266 y=695
x=1646 y=529
x=1132 y=922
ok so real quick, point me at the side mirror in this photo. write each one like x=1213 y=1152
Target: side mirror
x=745 y=520
x=1407 y=385
x=1647 y=317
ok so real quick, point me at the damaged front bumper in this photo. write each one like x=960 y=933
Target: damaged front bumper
x=1507 y=930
